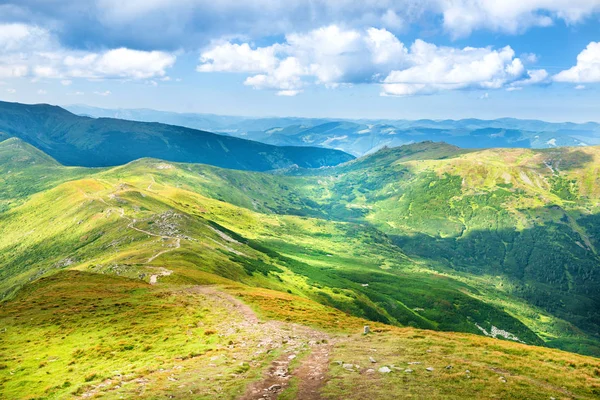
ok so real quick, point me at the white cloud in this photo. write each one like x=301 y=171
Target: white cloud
x=230 y=57
x=533 y=77
x=587 y=69
x=105 y=93
x=579 y=87
x=30 y=51
x=66 y=82
x=461 y=17
x=529 y=58
x=484 y=96
x=333 y=56
x=11 y=91
x=75 y=94
x=42 y=92
x=190 y=23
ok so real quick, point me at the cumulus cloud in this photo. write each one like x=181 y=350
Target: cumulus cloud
x=189 y=23
x=587 y=69
x=27 y=50
x=333 y=56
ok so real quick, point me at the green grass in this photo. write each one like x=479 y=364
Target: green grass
x=444 y=238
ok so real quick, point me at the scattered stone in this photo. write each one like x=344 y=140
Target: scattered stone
x=385 y=370
x=349 y=367
x=415 y=363
x=502 y=379
x=372 y=360
x=467 y=372
x=292 y=357
x=408 y=371
x=275 y=387
x=449 y=367
x=370 y=371
x=366 y=330
x=338 y=362
x=430 y=369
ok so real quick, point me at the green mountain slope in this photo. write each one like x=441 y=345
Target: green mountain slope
x=136 y=280
x=83 y=141
x=384 y=207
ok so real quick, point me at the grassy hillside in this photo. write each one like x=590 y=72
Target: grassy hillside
x=83 y=141
x=81 y=335
x=96 y=264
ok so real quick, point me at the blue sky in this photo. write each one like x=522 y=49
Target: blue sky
x=404 y=59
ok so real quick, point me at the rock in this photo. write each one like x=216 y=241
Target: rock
x=408 y=370
x=467 y=372
x=370 y=371
x=292 y=357
x=415 y=363
x=366 y=330
x=338 y=362
x=275 y=387
x=449 y=367
x=502 y=379
x=348 y=366
x=372 y=360
x=430 y=369
x=384 y=370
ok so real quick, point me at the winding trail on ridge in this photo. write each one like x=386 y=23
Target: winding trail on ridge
x=131 y=225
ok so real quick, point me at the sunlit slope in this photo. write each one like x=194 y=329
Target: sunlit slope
x=80 y=335
x=148 y=219
x=25 y=170
x=484 y=255
x=523 y=222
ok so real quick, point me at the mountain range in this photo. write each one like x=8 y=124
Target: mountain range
x=359 y=137
x=91 y=142
x=476 y=271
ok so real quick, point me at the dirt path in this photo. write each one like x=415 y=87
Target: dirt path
x=163 y=272
x=131 y=225
x=310 y=374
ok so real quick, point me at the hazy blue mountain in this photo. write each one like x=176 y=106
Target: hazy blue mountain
x=364 y=136
x=94 y=142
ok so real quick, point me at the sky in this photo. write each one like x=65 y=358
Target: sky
x=402 y=59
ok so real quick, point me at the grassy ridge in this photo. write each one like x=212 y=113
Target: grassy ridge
x=341 y=237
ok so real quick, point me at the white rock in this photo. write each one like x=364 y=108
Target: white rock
x=385 y=370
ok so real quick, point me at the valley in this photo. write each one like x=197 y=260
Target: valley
x=432 y=246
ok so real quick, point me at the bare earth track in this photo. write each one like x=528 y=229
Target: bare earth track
x=313 y=366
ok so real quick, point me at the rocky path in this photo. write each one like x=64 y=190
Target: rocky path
x=311 y=346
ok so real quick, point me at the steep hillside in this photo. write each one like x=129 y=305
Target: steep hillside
x=162 y=278
x=81 y=335
x=350 y=254
x=522 y=221
x=83 y=141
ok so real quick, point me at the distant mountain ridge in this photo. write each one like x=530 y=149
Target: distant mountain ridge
x=98 y=142
x=363 y=136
